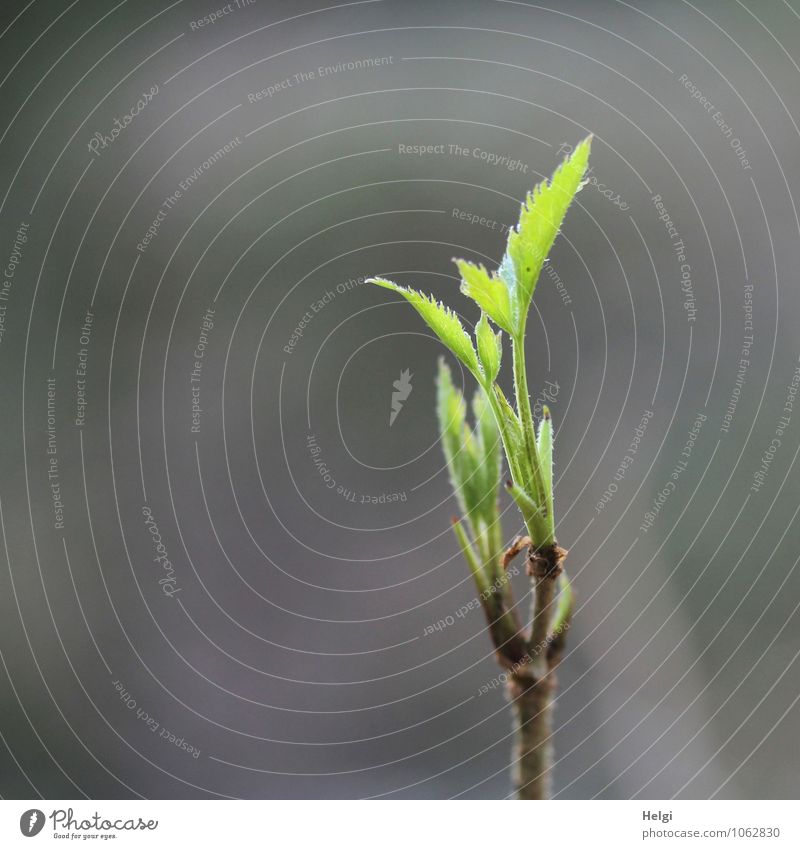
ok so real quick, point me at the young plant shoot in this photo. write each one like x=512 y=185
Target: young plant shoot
x=528 y=652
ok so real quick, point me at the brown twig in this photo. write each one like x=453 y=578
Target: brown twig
x=532 y=683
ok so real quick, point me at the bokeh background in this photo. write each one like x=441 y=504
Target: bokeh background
x=189 y=355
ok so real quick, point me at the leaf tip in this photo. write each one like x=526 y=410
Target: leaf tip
x=382 y=281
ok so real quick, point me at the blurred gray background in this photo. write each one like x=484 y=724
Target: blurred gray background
x=228 y=393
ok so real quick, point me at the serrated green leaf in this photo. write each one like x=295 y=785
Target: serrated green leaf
x=452 y=414
x=441 y=320
x=490 y=348
x=473 y=458
x=464 y=453
x=516 y=452
x=452 y=411
x=489 y=292
x=540 y=220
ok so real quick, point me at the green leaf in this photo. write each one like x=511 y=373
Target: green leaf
x=545 y=447
x=452 y=413
x=490 y=348
x=566 y=601
x=473 y=462
x=489 y=292
x=469 y=555
x=441 y=320
x=488 y=434
x=473 y=458
x=516 y=451
x=532 y=513
x=540 y=220
x=488 y=440
x=465 y=455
